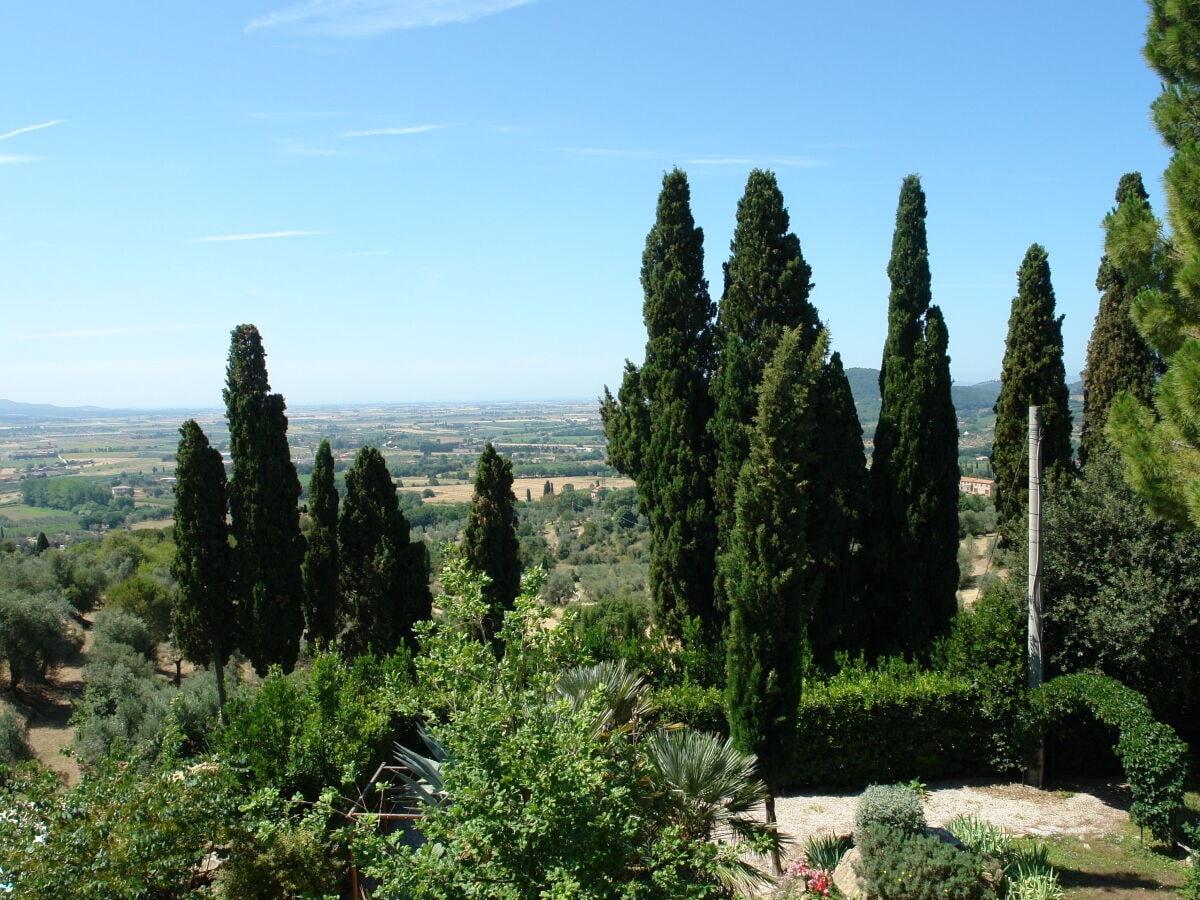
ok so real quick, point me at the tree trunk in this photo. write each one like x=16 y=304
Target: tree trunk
x=219 y=664
x=769 y=803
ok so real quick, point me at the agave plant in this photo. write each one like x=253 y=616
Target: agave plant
x=825 y=851
x=423 y=780
x=620 y=692
x=712 y=788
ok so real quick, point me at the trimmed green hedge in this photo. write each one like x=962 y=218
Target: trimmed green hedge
x=865 y=726
x=1153 y=756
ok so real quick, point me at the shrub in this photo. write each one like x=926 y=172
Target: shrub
x=1035 y=887
x=145 y=598
x=930 y=719
x=900 y=865
x=892 y=805
x=115 y=626
x=35 y=634
x=701 y=708
x=1152 y=755
x=825 y=851
x=14 y=736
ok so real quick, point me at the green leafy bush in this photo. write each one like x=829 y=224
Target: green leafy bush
x=14 y=736
x=825 y=851
x=892 y=805
x=322 y=727
x=1153 y=756
x=702 y=708
x=980 y=836
x=899 y=865
x=120 y=627
x=929 y=718
x=36 y=634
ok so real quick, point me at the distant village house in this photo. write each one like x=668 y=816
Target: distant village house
x=984 y=487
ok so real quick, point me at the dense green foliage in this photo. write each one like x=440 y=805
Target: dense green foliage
x=63 y=493
x=837 y=517
x=1032 y=375
x=1161 y=447
x=766 y=566
x=122 y=833
x=14 y=737
x=1122 y=593
x=902 y=866
x=1154 y=759
x=767 y=285
x=673 y=459
x=490 y=542
x=204 y=617
x=1118 y=358
x=383 y=579
x=930 y=720
x=914 y=469
x=264 y=520
x=555 y=793
x=321 y=555
x=327 y=726
x=36 y=634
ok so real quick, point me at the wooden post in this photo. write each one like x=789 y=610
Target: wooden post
x=1036 y=775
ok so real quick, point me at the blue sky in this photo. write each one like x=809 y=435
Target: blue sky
x=447 y=199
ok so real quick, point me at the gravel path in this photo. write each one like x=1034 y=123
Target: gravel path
x=1080 y=809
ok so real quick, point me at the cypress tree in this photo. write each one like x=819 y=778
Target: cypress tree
x=490 y=542
x=1161 y=446
x=265 y=522
x=837 y=515
x=1032 y=374
x=767 y=285
x=658 y=427
x=768 y=568
x=1118 y=358
x=203 y=616
x=383 y=579
x=912 y=489
x=321 y=560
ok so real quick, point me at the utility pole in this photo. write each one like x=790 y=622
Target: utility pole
x=1037 y=773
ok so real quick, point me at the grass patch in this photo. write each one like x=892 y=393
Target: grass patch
x=1115 y=865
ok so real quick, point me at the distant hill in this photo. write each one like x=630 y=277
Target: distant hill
x=12 y=411
x=864 y=385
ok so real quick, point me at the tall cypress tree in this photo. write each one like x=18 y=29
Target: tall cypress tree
x=268 y=547
x=321 y=559
x=767 y=285
x=773 y=586
x=1118 y=358
x=657 y=430
x=203 y=616
x=837 y=515
x=490 y=542
x=383 y=579
x=915 y=566
x=1032 y=374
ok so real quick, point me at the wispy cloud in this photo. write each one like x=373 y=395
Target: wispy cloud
x=405 y=129
x=365 y=18
x=27 y=128
x=259 y=236
x=297 y=147
x=9 y=159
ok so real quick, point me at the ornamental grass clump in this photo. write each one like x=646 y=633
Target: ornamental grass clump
x=891 y=805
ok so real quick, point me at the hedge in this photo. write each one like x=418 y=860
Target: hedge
x=1151 y=753
x=866 y=726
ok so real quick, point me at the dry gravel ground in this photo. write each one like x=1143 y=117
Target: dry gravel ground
x=1089 y=808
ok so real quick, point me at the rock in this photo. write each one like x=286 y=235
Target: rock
x=845 y=879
